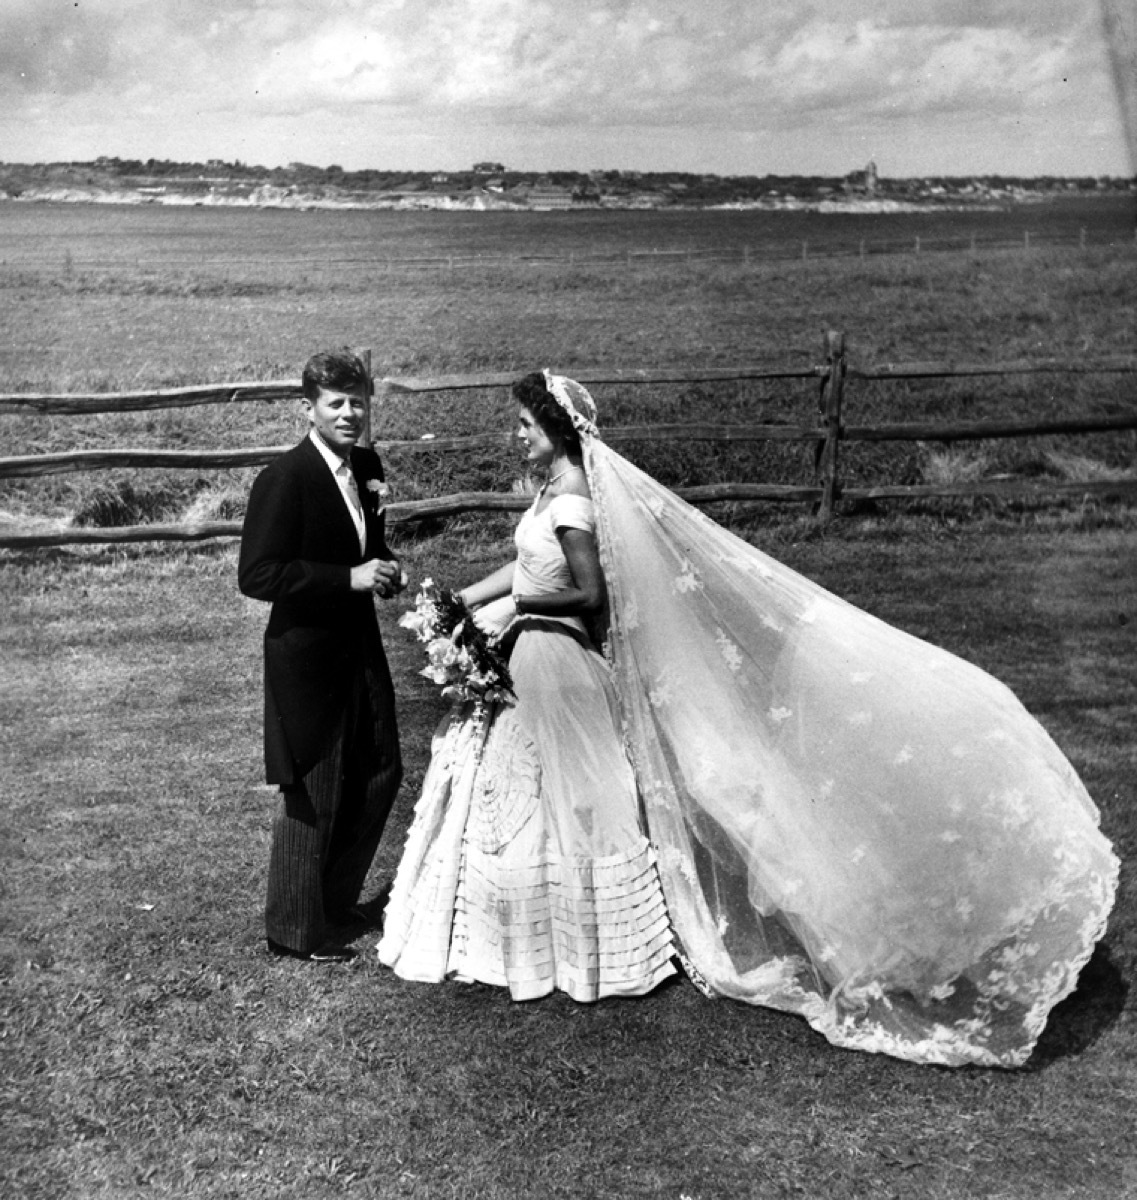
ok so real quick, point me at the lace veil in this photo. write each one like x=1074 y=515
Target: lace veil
x=851 y=824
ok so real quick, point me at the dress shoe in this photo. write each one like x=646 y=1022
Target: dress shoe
x=353 y=915
x=322 y=954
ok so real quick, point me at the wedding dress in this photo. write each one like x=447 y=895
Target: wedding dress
x=526 y=865
x=850 y=824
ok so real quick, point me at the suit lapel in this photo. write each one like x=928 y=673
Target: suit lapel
x=333 y=516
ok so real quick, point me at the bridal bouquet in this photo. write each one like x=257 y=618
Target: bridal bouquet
x=459 y=655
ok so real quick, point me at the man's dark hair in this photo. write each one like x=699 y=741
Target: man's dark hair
x=337 y=370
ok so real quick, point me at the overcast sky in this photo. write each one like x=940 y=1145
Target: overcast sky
x=954 y=87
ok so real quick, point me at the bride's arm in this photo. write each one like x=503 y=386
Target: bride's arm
x=586 y=596
x=500 y=583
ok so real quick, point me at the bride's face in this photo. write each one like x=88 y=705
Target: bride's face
x=540 y=447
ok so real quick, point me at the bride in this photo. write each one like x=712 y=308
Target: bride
x=527 y=865
x=845 y=822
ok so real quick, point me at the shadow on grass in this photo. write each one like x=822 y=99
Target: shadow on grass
x=367 y=915
x=1088 y=1012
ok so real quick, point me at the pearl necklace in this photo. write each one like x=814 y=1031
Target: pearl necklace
x=560 y=475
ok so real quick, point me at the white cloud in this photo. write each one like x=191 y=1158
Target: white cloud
x=540 y=72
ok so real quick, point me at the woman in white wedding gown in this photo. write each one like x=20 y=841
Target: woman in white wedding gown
x=527 y=865
x=849 y=823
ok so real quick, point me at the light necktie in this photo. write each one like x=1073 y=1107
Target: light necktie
x=355 y=506
x=347 y=482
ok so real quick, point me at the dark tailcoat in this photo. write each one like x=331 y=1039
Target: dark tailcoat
x=330 y=736
x=298 y=547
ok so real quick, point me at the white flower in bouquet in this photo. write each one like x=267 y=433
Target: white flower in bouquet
x=459 y=657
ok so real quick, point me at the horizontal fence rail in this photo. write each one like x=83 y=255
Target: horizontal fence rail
x=95 y=460
x=775 y=250
x=1022 y=366
x=31 y=465
x=823 y=492
x=75 y=404
x=941 y=431
x=81 y=404
x=404 y=513
x=413 y=511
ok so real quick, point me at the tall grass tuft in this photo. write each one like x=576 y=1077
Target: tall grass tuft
x=954 y=466
x=122 y=503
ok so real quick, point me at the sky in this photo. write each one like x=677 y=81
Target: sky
x=730 y=87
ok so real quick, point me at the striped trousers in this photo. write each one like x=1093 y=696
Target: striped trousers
x=328 y=825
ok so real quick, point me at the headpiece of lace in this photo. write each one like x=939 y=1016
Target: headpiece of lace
x=573 y=397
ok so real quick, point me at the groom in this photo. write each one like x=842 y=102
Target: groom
x=313 y=545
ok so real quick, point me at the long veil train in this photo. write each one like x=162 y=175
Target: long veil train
x=852 y=824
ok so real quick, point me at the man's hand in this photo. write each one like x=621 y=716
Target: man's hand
x=383 y=576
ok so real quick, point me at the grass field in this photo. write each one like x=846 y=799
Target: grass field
x=253 y=305
x=150 y=1045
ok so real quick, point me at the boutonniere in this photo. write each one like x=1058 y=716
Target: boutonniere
x=379 y=487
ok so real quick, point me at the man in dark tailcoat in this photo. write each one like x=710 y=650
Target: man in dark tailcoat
x=314 y=546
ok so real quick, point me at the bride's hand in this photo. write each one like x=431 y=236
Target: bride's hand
x=494 y=619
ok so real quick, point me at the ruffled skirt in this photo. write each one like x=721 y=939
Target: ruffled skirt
x=526 y=864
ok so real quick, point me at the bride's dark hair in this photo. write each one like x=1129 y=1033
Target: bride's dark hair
x=531 y=393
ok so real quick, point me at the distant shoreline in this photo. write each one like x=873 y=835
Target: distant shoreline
x=300 y=202
x=492 y=187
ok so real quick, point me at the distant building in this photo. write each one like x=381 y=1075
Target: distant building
x=549 y=196
x=587 y=191
x=647 y=199
x=862 y=181
x=488 y=168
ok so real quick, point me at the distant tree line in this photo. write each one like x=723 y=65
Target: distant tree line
x=677 y=186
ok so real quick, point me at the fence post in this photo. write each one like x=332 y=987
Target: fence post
x=832 y=393
x=364 y=357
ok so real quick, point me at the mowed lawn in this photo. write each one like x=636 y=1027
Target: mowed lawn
x=149 y=1045
x=152 y=1047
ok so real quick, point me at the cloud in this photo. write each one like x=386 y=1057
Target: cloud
x=908 y=70
x=48 y=46
x=435 y=67
x=653 y=64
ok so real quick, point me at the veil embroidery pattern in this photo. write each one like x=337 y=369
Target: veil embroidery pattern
x=851 y=824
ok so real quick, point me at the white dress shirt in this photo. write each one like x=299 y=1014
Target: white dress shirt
x=341 y=469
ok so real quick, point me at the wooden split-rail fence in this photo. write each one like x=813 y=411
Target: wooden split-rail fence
x=823 y=492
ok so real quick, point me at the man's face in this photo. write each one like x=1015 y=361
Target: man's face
x=338 y=418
